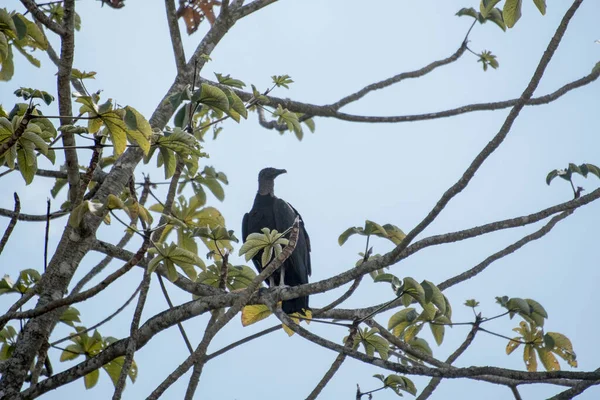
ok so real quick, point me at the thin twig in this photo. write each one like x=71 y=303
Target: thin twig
x=12 y=222
x=133 y=333
x=102 y=322
x=47 y=234
x=335 y=366
x=188 y=344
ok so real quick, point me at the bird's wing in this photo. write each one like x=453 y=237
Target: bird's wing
x=299 y=261
x=245 y=227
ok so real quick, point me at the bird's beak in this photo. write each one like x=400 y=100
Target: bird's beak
x=280 y=171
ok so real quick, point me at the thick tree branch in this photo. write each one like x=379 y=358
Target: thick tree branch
x=75 y=243
x=65 y=106
x=575 y=390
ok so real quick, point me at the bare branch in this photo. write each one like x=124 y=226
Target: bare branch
x=506 y=251
x=398 y=78
x=175 y=35
x=575 y=390
x=133 y=333
x=434 y=382
x=79 y=297
x=105 y=320
x=32 y=218
x=251 y=7
x=335 y=366
x=121 y=244
x=12 y=223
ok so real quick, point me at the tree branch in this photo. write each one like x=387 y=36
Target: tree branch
x=398 y=78
x=12 y=140
x=506 y=251
x=43 y=18
x=79 y=297
x=335 y=366
x=133 y=333
x=434 y=382
x=198 y=357
x=175 y=35
x=65 y=108
x=12 y=223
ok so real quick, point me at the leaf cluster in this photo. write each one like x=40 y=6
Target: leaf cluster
x=18 y=32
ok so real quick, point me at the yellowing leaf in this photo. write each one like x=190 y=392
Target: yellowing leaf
x=254 y=313
x=512 y=345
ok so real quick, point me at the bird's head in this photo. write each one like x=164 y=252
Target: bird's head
x=269 y=174
x=266 y=180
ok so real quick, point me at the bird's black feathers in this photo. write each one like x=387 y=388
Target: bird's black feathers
x=271 y=212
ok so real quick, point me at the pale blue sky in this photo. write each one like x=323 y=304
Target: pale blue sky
x=346 y=173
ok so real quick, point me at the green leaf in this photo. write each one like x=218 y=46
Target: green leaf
x=91 y=379
x=139 y=130
x=551 y=175
x=413 y=289
x=485 y=6
x=8 y=67
x=496 y=17
x=395 y=234
x=181 y=143
x=541 y=5
x=71 y=352
x=229 y=81
x=591 y=168
x=212 y=96
x=282 y=80
x=116 y=129
x=347 y=233
x=470 y=12
x=70 y=316
x=433 y=294
x=511 y=12
x=27 y=162
x=472 y=303
x=421 y=345
x=519 y=305
x=407 y=315
x=177 y=98
x=114 y=368
x=438 y=332
x=77 y=74
x=237 y=107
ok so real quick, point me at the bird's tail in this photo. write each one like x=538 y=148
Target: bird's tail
x=295 y=305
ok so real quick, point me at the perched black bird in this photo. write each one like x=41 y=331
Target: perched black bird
x=271 y=212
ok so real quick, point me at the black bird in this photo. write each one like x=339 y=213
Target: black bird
x=271 y=212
